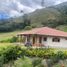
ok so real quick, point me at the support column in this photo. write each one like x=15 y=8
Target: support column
x=25 y=39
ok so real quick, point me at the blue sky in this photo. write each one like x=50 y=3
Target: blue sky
x=11 y=8
x=4 y=16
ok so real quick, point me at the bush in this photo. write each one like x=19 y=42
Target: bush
x=23 y=62
x=1 y=61
x=13 y=39
x=10 y=53
x=36 y=62
x=28 y=28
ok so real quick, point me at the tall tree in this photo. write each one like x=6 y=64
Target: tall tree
x=26 y=20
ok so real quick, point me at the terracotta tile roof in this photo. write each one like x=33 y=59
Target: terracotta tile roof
x=45 y=31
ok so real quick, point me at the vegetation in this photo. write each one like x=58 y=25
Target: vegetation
x=29 y=57
x=18 y=56
x=32 y=52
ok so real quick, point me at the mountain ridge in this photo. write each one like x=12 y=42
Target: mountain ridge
x=51 y=16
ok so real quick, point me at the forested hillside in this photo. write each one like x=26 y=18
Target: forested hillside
x=54 y=16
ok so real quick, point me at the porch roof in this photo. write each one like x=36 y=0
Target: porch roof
x=45 y=31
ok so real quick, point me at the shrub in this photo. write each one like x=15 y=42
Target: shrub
x=36 y=62
x=1 y=60
x=13 y=39
x=28 y=28
x=23 y=62
x=11 y=53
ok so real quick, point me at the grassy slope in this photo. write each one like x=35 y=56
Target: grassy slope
x=62 y=27
x=44 y=15
x=7 y=35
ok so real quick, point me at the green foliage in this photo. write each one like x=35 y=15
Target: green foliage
x=1 y=60
x=62 y=27
x=26 y=20
x=14 y=39
x=23 y=62
x=11 y=53
x=36 y=62
x=28 y=28
x=39 y=52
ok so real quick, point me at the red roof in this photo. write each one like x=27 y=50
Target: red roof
x=45 y=31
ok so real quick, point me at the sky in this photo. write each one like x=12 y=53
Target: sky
x=14 y=8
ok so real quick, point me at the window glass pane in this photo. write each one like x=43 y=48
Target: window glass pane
x=45 y=38
x=56 y=39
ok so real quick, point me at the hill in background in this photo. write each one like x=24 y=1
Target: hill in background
x=54 y=16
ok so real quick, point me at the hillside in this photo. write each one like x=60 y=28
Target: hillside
x=51 y=16
x=46 y=16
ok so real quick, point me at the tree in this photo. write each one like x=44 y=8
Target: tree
x=26 y=20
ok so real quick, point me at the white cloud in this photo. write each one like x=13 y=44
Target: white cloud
x=24 y=8
x=58 y=2
x=14 y=13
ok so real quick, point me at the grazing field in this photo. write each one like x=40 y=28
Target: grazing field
x=4 y=36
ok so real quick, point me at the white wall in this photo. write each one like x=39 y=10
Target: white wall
x=50 y=43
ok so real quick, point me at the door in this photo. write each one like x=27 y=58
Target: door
x=40 y=40
x=34 y=40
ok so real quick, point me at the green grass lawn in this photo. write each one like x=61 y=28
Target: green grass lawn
x=4 y=36
x=62 y=27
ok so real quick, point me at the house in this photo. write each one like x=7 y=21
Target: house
x=45 y=36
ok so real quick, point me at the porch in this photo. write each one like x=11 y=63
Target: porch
x=34 y=40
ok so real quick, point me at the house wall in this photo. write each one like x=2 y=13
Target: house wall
x=50 y=43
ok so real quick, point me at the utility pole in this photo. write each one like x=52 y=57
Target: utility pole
x=42 y=3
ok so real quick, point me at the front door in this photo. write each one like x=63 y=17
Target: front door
x=40 y=40
x=34 y=40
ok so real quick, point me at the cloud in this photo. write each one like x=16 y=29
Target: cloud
x=58 y=2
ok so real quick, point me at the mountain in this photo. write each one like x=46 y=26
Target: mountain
x=56 y=13
x=47 y=15
x=52 y=16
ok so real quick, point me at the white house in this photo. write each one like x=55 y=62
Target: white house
x=43 y=37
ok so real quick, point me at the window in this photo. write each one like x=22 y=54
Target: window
x=45 y=39
x=65 y=38
x=56 y=39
